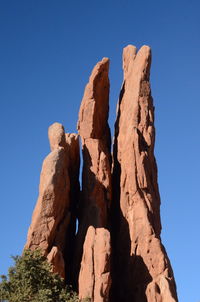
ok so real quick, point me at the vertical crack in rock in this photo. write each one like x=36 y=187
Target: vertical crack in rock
x=92 y=267
x=141 y=269
x=73 y=152
x=53 y=224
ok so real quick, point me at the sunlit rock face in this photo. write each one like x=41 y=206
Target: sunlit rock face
x=93 y=240
x=141 y=268
x=53 y=215
x=117 y=254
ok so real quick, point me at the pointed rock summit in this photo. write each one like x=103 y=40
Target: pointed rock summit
x=137 y=249
x=104 y=239
x=93 y=239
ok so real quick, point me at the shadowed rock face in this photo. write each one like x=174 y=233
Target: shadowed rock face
x=141 y=270
x=53 y=213
x=93 y=240
x=117 y=254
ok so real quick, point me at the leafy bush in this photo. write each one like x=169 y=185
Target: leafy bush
x=31 y=280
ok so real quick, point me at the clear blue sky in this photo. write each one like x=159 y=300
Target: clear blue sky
x=47 y=51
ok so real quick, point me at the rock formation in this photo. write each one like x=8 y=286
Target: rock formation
x=117 y=254
x=94 y=236
x=51 y=217
x=141 y=270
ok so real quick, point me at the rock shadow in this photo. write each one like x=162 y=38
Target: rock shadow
x=129 y=273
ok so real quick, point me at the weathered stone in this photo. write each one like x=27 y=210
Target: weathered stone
x=51 y=218
x=93 y=114
x=56 y=135
x=93 y=240
x=55 y=257
x=129 y=225
x=94 y=278
x=141 y=268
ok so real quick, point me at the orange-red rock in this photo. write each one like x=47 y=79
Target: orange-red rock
x=117 y=255
x=56 y=135
x=141 y=268
x=51 y=218
x=93 y=246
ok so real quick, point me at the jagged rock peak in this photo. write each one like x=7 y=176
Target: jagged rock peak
x=136 y=223
x=94 y=247
x=93 y=114
x=129 y=56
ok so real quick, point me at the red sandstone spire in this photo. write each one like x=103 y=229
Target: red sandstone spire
x=93 y=247
x=142 y=270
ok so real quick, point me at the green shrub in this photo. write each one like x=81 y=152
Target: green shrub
x=31 y=280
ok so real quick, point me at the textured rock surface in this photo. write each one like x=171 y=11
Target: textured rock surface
x=56 y=136
x=51 y=218
x=141 y=268
x=117 y=255
x=93 y=240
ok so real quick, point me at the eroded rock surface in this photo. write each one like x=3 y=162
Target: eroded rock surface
x=117 y=255
x=52 y=214
x=141 y=268
x=93 y=240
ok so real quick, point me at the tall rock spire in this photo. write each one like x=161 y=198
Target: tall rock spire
x=53 y=224
x=141 y=268
x=93 y=239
